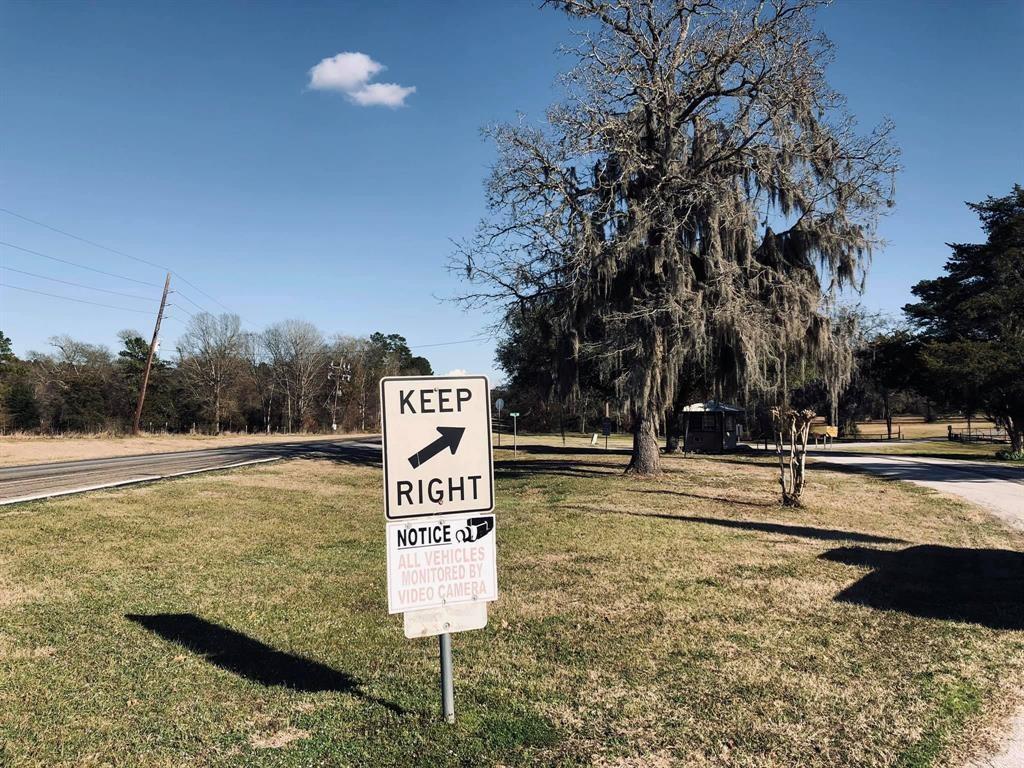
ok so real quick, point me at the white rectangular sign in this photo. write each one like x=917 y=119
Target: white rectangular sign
x=437 y=445
x=441 y=561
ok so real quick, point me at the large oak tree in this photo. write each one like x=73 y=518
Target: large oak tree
x=692 y=203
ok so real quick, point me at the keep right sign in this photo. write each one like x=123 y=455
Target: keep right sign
x=437 y=445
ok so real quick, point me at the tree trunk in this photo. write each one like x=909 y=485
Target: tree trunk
x=216 y=411
x=1016 y=434
x=646 y=457
x=672 y=432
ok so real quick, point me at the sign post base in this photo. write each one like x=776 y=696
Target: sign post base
x=447 y=684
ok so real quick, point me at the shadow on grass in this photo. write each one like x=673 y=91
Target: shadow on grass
x=979 y=586
x=251 y=659
x=802 y=531
x=738 y=502
x=562 y=450
x=514 y=470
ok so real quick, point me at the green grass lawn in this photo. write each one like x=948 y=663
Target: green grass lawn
x=240 y=619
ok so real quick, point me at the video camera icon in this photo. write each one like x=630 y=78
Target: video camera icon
x=476 y=528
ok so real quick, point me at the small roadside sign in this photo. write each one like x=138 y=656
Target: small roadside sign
x=441 y=561
x=606 y=426
x=439 y=493
x=437 y=445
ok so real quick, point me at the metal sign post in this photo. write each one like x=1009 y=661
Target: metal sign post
x=438 y=500
x=514 y=415
x=498 y=405
x=447 y=682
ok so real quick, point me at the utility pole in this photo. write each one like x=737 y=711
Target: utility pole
x=338 y=372
x=149 y=360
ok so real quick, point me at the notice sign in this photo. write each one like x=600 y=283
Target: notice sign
x=441 y=561
x=437 y=445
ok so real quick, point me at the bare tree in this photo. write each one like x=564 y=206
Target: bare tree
x=298 y=354
x=691 y=203
x=261 y=374
x=210 y=355
x=791 y=429
x=74 y=385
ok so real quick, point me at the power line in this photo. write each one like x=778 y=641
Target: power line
x=77 y=285
x=80 y=239
x=204 y=293
x=80 y=301
x=80 y=266
x=122 y=253
x=449 y=343
x=180 y=308
x=200 y=307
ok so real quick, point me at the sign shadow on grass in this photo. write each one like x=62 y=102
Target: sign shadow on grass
x=978 y=586
x=249 y=658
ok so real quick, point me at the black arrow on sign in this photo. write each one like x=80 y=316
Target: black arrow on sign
x=450 y=438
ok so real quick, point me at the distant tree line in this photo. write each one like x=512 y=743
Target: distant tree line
x=288 y=378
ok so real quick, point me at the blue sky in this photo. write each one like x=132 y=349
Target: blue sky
x=185 y=134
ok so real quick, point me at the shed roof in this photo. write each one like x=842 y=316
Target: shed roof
x=712 y=406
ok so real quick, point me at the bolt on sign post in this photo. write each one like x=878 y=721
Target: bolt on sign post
x=439 y=502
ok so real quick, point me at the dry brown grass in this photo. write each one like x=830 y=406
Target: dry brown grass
x=681 y=620
x=916 y=426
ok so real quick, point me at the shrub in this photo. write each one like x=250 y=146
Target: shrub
x=1006 y=454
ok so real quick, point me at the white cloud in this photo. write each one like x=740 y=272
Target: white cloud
x=344 y=72
x=457 y=372
x=350 y=73
x=383 y=94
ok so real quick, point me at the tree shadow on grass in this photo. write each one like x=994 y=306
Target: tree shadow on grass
x=562 y=450
x=249 y=658
x=979 y=586
x=737 y=502
x=802 y=531
x=514 y=470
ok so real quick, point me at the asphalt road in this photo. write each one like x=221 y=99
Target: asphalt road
x=40 y=481
x=997 y=487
